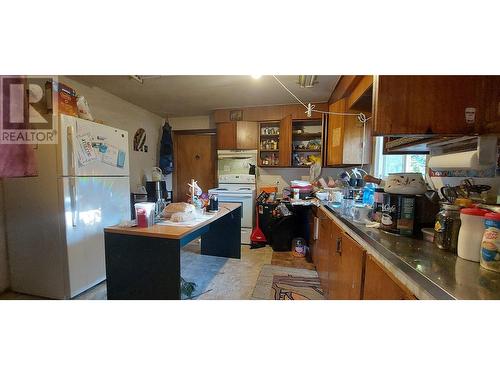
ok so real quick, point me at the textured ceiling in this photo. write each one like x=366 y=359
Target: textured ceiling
x=188 y=95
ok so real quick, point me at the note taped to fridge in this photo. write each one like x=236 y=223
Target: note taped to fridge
x=113 y=156
x=86 y=152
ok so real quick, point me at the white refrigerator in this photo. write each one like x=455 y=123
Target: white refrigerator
x=55 y=221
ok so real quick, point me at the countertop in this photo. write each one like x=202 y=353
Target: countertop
x=172 y=232
x=429 y=272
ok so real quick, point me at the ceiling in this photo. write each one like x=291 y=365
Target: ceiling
x=189 y=95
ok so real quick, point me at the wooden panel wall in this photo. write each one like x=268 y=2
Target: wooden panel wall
x=270 y=113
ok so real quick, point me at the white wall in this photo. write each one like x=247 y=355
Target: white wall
x=4 y=269
x=121 y=114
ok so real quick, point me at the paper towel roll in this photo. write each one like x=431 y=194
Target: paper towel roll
x=459 y=160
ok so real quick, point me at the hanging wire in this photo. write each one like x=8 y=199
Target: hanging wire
x=310 y=107
x=361 y=117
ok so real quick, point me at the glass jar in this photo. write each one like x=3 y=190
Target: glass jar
x=447 y=227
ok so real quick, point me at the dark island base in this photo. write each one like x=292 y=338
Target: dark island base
x=148 y=268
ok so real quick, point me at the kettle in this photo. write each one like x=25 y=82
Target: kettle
x=156 y=174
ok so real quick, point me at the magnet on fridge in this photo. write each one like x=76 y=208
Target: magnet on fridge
x=120 y=162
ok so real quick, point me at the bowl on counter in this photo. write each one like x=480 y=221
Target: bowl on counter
x=322 y=195
x=405 y=183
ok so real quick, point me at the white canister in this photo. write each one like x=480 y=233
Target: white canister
x=471 y=233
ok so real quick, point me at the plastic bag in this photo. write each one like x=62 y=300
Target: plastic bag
x=84 y=109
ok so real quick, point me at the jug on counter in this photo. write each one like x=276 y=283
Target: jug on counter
x=156 y=174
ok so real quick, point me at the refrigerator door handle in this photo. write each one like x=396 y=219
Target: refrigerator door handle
x=71 y=152
x=73 y=196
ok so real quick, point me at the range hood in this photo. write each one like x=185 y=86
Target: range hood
x=421 y=144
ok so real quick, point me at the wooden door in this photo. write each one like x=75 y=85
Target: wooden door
x=226 y=136
x=194 y=157
x=347 y=268
x=247 y=135
x=428 y=104
x=381 y=285
x=285 y=142
x=335 y=134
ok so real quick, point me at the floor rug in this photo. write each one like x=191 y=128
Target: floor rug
x=284 y=283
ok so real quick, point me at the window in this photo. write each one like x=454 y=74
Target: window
x=385 y=164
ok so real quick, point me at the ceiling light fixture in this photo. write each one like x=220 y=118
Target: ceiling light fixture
x=138 y=79
x=307 y=81
x=256 y=76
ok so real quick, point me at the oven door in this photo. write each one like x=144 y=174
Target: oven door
x=246 y=202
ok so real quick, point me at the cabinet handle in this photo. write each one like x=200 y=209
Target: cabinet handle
x=339 y=245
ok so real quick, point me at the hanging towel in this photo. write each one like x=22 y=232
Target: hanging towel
x=166 y=150
x=16 y=160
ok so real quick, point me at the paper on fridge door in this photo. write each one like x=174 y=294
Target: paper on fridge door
x=85 y=150
x=111 y=155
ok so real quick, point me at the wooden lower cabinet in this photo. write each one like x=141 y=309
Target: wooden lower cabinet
x=345 y=270
x=346 y=267
x=323 y=249
x=381 y=285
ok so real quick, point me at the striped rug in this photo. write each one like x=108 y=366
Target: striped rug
x=284 y=283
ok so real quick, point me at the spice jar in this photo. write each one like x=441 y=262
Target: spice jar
x=447 y=227
x=490 y=246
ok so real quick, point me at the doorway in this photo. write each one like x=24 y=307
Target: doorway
x=195 y=156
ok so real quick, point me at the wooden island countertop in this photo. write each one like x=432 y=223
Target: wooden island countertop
x=169 y=231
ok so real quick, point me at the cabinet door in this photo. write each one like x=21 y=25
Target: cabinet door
x=285 y=142
x=247 y=135
x=313 y=222
x=346 y=282
x=226 y=136
x=323 y=246
x=335 y=133
x=381 y=285
x=429 y=104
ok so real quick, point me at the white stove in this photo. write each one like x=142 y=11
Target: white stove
x=239 y=189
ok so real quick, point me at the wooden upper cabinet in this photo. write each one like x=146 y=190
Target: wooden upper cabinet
x=346 y=137
x=434 y=104
x=285 y=142
x=347 y=262
x=247 y=135
x=380 y=284
x=226 y=136
x=335 y=134
x=240 y=135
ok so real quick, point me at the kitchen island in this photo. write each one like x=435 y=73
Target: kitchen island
x=144 y=263
x=420 y=266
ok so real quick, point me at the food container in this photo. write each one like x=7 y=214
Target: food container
x=447 y=227
x=378 y=202
x=360 y=213
x=428 y=234
x=398 y=214
x=471 y=233
x=145 y=214
x=490 y=245
x=405 y=183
